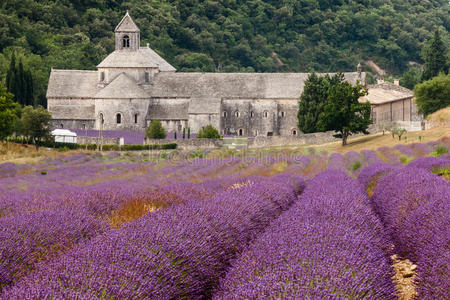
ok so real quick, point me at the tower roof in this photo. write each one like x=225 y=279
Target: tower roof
x=126 y=25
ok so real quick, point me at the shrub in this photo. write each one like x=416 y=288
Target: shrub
x=209 y=132
x=441 y=150
x=356 y=165
x=156 y=130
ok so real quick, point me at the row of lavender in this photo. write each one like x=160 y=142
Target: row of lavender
x=414 y=206
x=329 y=245
x=181 y=251
x=37 y=238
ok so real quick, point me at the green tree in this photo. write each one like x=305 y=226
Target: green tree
x=411 y=77
x=312 y=102
x=435 y=58
x=209 y=132
x=156 y=130
x=432 y=95
x=9 y=112
x=343 y=112
x=36 y=124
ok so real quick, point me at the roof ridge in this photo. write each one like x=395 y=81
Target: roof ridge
x=78 y=71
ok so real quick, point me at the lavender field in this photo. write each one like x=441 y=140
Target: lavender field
x=278 y=226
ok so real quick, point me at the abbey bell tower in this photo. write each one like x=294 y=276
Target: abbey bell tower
x=127 y=34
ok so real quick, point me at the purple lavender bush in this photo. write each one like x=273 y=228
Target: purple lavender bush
x=25 y=240
x=430 y=163
x=372 y=171
x=328 y=245
x=181 y=252
x=414 y=206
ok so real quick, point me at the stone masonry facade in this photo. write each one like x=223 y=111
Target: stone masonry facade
x=134 y=86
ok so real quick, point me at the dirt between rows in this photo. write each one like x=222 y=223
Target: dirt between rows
x=405 y=274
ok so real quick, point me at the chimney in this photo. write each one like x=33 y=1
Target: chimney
x=397 y=82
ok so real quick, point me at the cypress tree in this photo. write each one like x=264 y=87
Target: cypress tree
x=29 y=88
x=11 y=75
x=20 y=84
x=435 y=58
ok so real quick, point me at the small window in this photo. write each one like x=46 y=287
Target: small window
x=126 y=41
x=225 y=114
x=102 y=76
x=147 y=77
x=61 y=125
x=256 y=132
x=241 y=132
x=252 y=114
x=283 y=114
x=294 y=132
x=237 y=114
x=84 y=126
x=135 y=118
x=118 y=118
x=266 y=114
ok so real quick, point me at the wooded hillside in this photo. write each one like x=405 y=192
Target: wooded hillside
x=225 y=35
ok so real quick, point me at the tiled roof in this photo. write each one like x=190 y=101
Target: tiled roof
x=386 y=92
x=122 y=87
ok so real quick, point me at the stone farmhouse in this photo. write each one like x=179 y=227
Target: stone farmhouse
x=134 y=85
x=391 y=103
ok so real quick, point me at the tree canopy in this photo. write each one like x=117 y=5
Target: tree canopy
x=36 y=124
x=9 y=112
x=343 y=112
x=435 y=58
x=313 y=100
x=223 y=36
x=156 y=130
x=432 y=95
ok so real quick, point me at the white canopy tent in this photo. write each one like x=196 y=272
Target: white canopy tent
x=64 y=136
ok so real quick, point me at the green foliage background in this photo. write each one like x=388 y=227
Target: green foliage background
x=226 y=35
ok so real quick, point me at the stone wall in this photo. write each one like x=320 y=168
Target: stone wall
x=188 y=144
x=304 y=139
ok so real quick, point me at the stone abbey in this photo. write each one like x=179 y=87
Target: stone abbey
x=134 y=86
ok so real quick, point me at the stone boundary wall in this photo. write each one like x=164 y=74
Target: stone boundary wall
x=277 y=141
x=188 y=144
x=431 y=124
x=81 y=140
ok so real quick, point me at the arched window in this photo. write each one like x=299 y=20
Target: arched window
x=266 y=114
x=294 y=131
x=126 y=41
x=61 y=125
x=118 y=118
x=282 y=114
x=241 y=132
x=135 y=118
x=225 y=114
x=237 y=114
x=252 y=114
